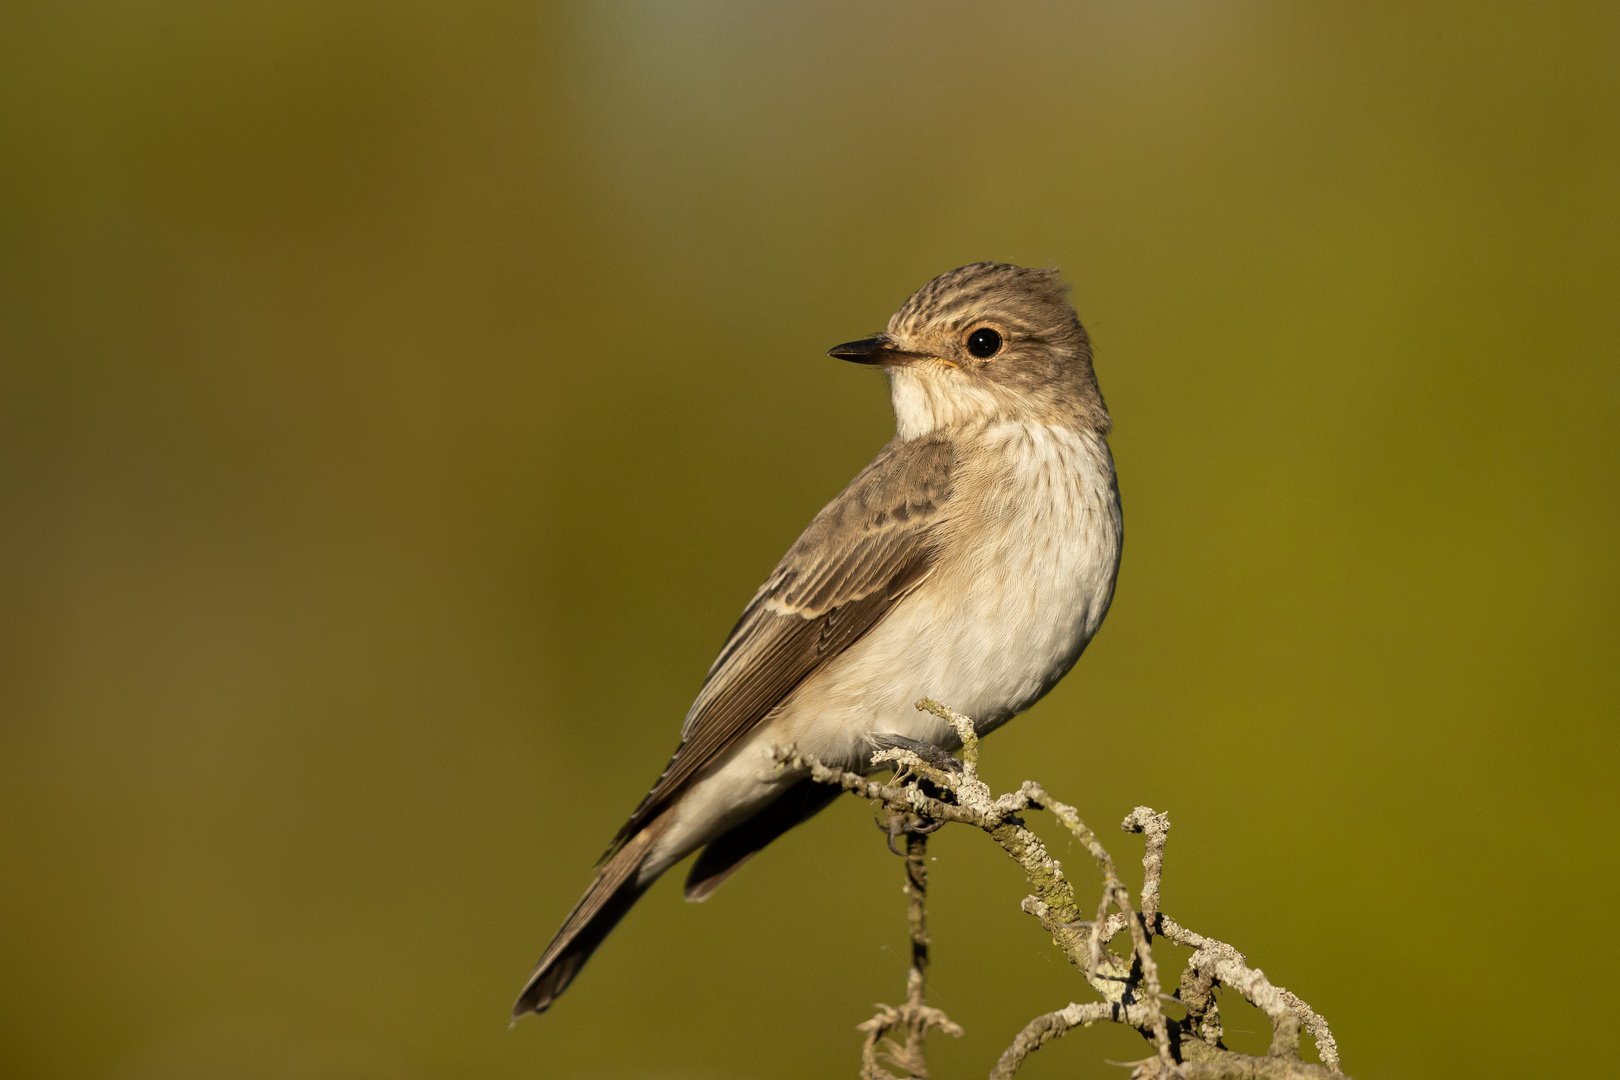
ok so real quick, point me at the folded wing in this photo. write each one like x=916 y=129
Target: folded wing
x=868 y=548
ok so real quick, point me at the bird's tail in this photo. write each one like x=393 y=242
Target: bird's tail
x=613 y=892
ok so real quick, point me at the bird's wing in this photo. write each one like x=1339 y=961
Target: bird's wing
x=868 y=548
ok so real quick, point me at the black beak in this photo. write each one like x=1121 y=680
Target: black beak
x=872 y=350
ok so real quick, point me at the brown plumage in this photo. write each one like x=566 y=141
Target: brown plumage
x=611 y=893
x=859 y=556
x=952 y=481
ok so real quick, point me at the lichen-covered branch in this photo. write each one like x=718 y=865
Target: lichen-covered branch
x=927 y=796
x=915 y=1017
x=1043 y=1029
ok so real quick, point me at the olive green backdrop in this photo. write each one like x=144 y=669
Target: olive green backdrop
x=399 y=401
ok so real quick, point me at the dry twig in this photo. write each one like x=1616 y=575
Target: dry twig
x=1129 y=985
x=915 y=1017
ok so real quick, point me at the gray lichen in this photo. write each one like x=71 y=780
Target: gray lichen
x=1128 y=984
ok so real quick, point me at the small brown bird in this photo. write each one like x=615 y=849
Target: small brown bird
x=971 y=561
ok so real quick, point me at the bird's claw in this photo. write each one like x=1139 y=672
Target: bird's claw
x=896 y=825
x=938 y=757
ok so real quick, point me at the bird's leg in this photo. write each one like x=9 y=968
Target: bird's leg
x=931 y=758
x=939 y=758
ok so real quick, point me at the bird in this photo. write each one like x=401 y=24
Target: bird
x=971 y=562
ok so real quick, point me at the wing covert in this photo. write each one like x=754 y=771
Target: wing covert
x=863 y=552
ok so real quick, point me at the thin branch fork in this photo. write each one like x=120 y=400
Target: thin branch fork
x=1129 y=985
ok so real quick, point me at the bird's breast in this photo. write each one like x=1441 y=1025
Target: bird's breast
x=1035 y=557
x=1025 y=574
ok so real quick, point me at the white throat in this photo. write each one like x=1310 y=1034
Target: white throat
x=929 y=396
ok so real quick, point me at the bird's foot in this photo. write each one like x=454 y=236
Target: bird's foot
x=934 y=759
x=895 y=825
x=938 y=757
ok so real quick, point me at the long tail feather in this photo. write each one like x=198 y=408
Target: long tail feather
x=613 y=892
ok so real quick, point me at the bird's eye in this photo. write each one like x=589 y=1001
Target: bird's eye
x=984 y=343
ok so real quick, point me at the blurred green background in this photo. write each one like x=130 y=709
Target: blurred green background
x=399 y=401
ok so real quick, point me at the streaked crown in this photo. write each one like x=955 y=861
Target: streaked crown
x=989 y=341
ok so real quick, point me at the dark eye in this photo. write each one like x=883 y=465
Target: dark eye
x=984 y=343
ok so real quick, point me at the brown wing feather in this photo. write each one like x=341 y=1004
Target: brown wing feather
x=861 y=554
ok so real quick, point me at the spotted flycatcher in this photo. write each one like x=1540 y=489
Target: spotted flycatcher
x=971 y=561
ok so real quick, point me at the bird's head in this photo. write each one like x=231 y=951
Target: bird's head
x=983 y=343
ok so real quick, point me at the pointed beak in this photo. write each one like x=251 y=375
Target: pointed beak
x=872 y=350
